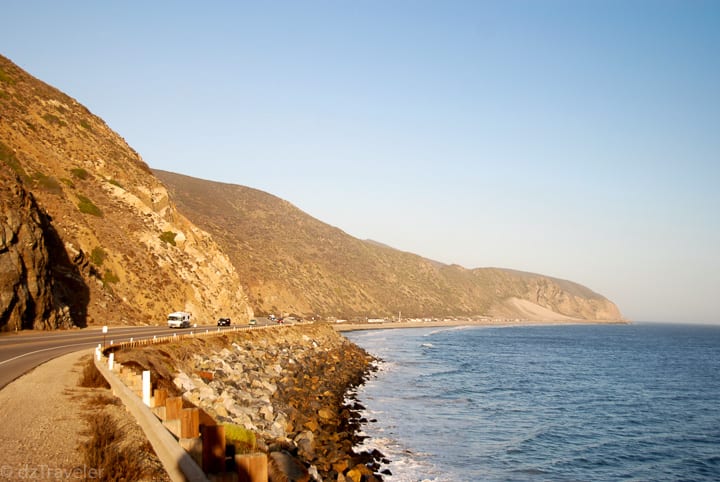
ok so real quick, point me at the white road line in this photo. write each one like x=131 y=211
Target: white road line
x=44 y=349
x=124 y=335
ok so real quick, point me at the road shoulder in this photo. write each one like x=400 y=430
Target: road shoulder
x=42 y=422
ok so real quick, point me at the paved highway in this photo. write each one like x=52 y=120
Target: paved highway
x=20 y=353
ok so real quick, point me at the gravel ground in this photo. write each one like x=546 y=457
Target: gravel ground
x=41 y=420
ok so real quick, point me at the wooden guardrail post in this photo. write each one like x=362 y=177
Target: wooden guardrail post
x=252 y=467
x=134 y=382
x=190 y=423
x=159 y=403
x=173 y=408
x=173 y=416
x=213 y=452
x=190 y=433
x=160 y=397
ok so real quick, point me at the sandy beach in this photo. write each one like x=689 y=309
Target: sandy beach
x=345 y=326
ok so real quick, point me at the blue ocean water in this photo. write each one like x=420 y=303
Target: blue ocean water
x=531 y=403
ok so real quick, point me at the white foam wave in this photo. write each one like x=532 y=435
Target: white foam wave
x=450 y=328
x=404 y=466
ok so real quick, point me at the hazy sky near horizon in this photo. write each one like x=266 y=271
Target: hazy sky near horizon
x=578 y=139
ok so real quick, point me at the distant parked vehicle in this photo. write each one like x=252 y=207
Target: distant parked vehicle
x=223 y=322
x=179 y=319
x=252 y=322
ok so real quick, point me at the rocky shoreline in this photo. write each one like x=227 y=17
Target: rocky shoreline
x=291 y=386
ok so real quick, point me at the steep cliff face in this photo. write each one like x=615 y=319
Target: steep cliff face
x=534 y=296
x=137 y=257
x=26 y=288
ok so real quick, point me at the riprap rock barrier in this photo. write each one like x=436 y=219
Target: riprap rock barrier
x=291 y=386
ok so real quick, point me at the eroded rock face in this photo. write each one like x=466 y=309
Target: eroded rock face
x=119 y=251
x=27 y=291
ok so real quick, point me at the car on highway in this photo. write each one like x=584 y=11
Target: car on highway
x=252 y=322
x=178 y=319
x=223 y=322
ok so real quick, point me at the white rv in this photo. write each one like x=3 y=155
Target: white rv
x=179 y=319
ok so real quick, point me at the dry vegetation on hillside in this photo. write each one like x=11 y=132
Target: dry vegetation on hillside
x=291 y=262
x=121 y=253
x=112 y=216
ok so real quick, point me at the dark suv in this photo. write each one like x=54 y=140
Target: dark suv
x=224 y=322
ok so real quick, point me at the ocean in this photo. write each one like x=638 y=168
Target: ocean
x=535 y=403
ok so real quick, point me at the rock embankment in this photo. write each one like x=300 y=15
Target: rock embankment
x=288 y=385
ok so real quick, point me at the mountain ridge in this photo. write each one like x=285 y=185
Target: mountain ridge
x=306 y=262
x=115 y=242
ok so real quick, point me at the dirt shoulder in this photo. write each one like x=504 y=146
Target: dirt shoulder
x=46 y=417
x=42 y=423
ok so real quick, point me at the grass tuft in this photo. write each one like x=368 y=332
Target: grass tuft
x=86 y=206
x=91 y=376
x=110 y=277
x=53 y=120
x=5 y=77
x=47 y=183
x=8 y=156
x=79 y=173
x=168 y=237
x=86 y=125
x=103 y=453
x=241 y=438
x=97 y=256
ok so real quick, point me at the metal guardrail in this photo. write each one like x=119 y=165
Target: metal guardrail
x=179 y=337
x=179 y=465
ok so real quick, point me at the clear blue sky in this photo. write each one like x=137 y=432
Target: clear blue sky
x=578 y=139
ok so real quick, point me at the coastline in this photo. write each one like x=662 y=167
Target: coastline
x=497 y=322
x=523 y=387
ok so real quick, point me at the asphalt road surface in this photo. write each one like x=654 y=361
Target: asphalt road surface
x=20 y=353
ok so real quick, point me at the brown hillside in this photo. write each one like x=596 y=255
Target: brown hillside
x=131 y=257
x=91 y=236
x=292 y=263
